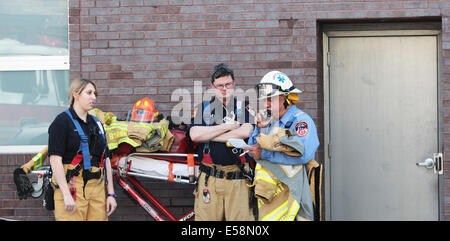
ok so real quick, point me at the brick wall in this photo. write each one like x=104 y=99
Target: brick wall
x=137 y=48
x=176 y=197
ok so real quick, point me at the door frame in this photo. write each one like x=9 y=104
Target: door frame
x=375 y=30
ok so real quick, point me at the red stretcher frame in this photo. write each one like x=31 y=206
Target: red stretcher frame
x=125 y=184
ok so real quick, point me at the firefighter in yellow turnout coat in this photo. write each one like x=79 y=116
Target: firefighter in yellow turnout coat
x=282 y=144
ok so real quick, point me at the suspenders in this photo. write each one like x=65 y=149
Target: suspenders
x=84 y=145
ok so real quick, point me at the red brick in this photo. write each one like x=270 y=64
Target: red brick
x=6 y=212
x=109 y=67
x=121 y=75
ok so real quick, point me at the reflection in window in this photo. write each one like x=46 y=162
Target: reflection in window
x=37 y=87
x=34 y=27
x=31 y=100
x=34 y=35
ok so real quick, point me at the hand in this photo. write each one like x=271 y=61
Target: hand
x=111 y=205
x=254 y=151
x=259 y=122
x=232 y=124
x=69 y=203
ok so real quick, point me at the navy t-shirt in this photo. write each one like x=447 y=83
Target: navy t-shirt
x=64 y=141
x=220 y=153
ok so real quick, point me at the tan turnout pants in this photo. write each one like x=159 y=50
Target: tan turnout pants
x=227 y=197
x=90 y=207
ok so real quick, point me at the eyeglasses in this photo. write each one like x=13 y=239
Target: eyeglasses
x=224 y=86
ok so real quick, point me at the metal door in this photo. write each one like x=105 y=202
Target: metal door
x=382 y=120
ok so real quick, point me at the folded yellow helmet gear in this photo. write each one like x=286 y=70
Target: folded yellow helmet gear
x=281 y=140
x=145 y=137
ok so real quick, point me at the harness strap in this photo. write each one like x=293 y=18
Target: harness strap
x=100 y=127
x=245 y=174
x=207 y=159
x=207 y=111
x=87 y=174
x=73 y=173
x=84 y=145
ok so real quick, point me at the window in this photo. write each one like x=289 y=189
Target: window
x=34 y=69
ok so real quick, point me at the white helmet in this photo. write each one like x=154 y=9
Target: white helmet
x=275 y=83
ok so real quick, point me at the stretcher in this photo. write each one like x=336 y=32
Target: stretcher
x=171 y=167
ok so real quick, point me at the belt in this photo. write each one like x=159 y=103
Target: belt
x=221 y=174
x=87 y=174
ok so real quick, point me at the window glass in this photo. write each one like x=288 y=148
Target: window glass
x=30 y=100
x=34 y=27
x=34 y=69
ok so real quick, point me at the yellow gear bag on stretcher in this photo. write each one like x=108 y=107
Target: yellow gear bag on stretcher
x=145 y=137
x=117 y=133
x=160 y=139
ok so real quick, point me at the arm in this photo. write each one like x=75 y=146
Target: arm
x=111 y=203
x=60 y=178
x=253 y=148
x=110 y=186
x=308 y=137
x=207 y=133
x=305 y=134
x=243 y=132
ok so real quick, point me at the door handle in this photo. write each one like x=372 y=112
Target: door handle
x=428 y=163
x=439 y=163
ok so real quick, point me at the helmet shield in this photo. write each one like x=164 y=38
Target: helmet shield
x=140 y=115
x=144 y=110
x=266 y=90
x=275 y=83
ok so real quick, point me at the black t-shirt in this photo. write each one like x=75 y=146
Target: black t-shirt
x=220 y=153
x=64 y=141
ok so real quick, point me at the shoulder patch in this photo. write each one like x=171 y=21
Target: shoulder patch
x=301 y=128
